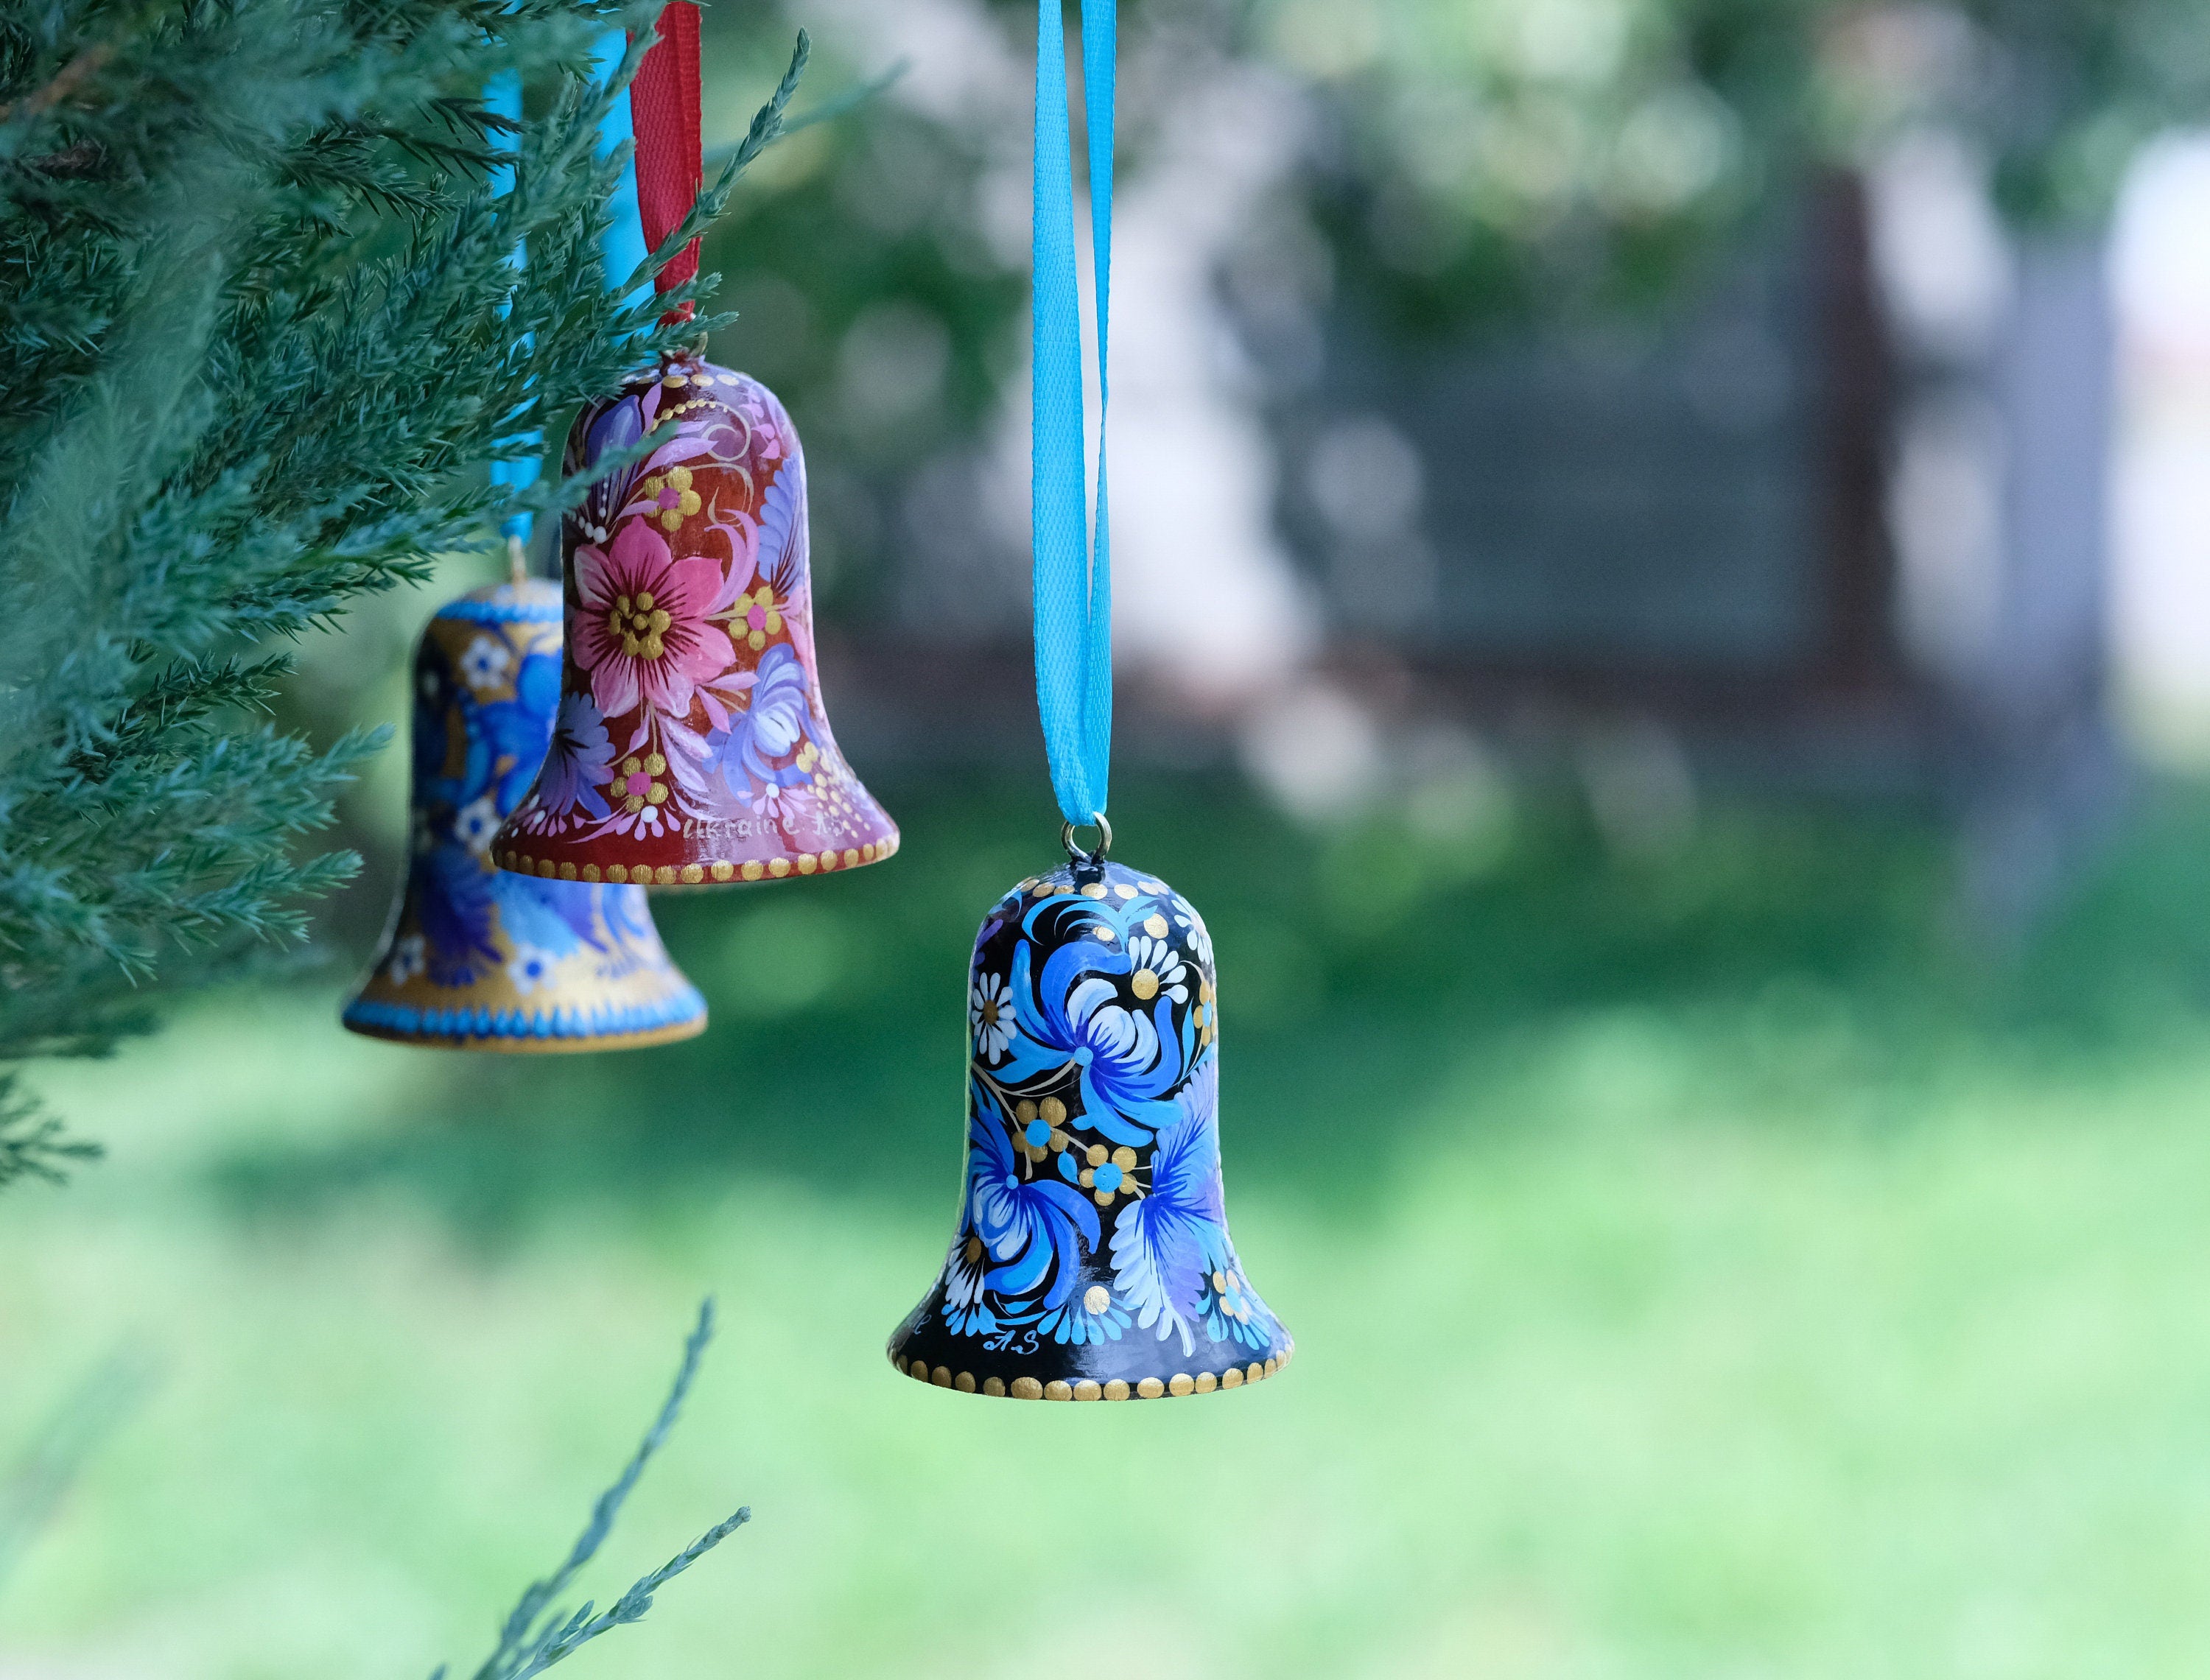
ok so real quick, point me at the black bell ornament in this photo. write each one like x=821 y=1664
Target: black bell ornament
x=1092 y=1259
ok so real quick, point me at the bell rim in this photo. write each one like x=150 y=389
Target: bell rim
x=697 y=874
x=995 y=1387
x=526 y=1043
x=668 y=1035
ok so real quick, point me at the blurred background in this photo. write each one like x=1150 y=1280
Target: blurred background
x=1663 y=609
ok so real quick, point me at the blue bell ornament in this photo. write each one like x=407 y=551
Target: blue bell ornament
x=476 y=958
x=1092 y=1259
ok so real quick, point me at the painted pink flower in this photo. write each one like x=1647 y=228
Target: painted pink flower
x=643 y=632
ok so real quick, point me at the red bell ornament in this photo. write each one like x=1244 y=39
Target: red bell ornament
x=691 y=746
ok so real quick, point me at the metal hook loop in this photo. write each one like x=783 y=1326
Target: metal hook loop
x=1104 y=840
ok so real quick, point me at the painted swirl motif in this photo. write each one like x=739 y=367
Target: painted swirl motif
x=475 y=956
x=1092 y=1258
x=692 y=745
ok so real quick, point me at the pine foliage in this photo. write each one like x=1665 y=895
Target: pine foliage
x=261 y=334
x=537 y=1633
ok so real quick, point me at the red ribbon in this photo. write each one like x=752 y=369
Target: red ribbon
x=670 y=167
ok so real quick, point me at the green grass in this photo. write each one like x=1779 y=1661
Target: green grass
x=1699 y=1268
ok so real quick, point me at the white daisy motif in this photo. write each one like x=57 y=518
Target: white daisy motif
x=1158 y=968
x=1200 y=938
x=990 y=1012
x=529 y=969
x=963 y=1270
x=484 y=665
x=406 y=960
x=475 y=824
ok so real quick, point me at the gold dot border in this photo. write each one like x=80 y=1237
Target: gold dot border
x=1151 y=1387
x=721 y=871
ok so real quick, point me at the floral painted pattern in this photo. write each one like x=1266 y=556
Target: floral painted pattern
x=643 y=634
x=1092 y=1255
x=692 y=745
x=477 y=955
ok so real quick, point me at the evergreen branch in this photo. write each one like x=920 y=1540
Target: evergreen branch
x=844 y=103
x=151 y=722
x=32 y=1145
x=534 y=1636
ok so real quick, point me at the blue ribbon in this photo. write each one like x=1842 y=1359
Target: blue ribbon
x=1074 y=581
x=503 y=97
x=621 y=251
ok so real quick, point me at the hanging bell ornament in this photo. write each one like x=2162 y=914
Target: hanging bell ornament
x=691 y=746
x=1092 y=1260
x=475 y=958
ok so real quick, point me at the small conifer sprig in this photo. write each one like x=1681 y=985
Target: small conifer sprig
x=536 y=1634
x=32 y=1144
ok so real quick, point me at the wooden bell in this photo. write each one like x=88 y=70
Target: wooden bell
x=476 y=958
x=692 y=746
x=1091 y=1259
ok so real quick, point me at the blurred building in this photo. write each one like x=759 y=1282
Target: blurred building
x=1833 y=513
x=1839 y=521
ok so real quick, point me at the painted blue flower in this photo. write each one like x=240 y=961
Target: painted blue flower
x=552 y=916
x=439 y=701
x=409 y=957
x=530 y=968
x=516 y=731
x=484 y=663
x=579 y=761
x=475 y=822
x=1106 y=1174
x=772 y=727
x=452 y=896
x=1167 y=1245
x=1092 y=1317
x=1033 y=1229
x=616 y=427
x=1232 y=1310
x=627 y=920
x=1079 y=1009
x=783 y=531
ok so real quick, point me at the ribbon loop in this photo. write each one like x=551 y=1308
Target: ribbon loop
x=1074 y=578
x=670 y=161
